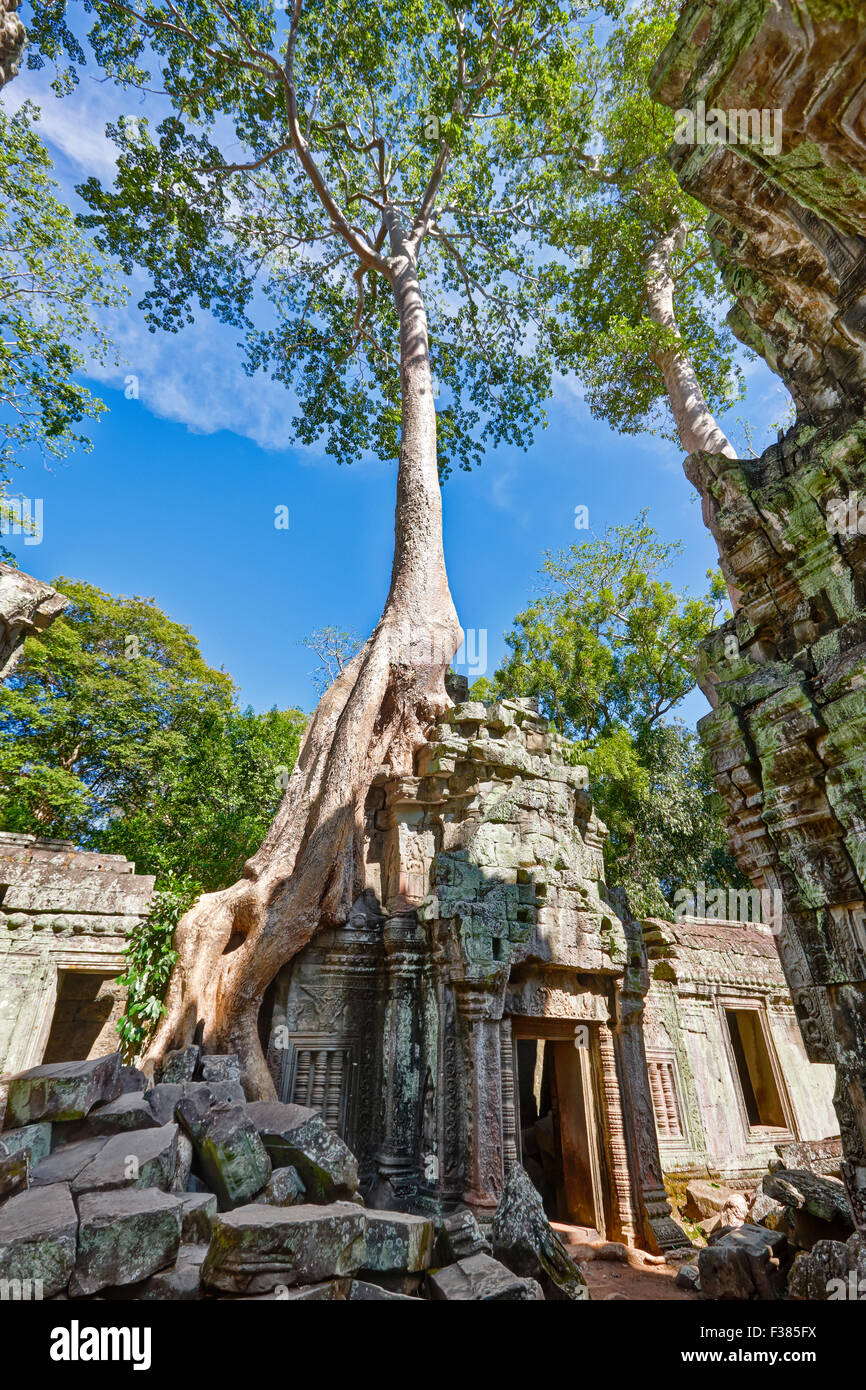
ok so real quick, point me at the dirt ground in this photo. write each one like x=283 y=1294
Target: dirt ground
x=637 y=1276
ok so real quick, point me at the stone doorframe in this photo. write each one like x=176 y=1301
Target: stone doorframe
x=525 y=1028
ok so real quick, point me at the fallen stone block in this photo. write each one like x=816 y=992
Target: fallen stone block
x=284 y=1189
x=179 y=1283
x=180 y=1065
x=14 y=1173
x=142 y=1158
x=36 y=1138
x=524 y=1241
x=362 y=1292
x=481 y=1279
x=65 y=1164
x=223 y=1067
x=129 y=1112
x=164 y=1098
x=230 y=1153
x=38 y=1234
x=398 y=1241
x=766 y=1211
x=124 y=1237
x=257 y=1248
x=131 y=1079
x=460 y=1235
x=199 y=1213
x=332 y=1291
x=750 y=1262
x=298 y=1137
x=688 y=1277
x=810 y=1194
x=705 y=1199
x=62 y=1090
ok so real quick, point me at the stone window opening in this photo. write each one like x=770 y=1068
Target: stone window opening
x=89 y=1003
x=754 y=1069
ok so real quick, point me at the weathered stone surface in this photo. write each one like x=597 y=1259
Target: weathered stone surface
x=705 y=1198
x=65 y=1164
x=257 y=1248
x=833 y=1271
x=524 y=1241
x=179 y=1065
x=331 y=1291
x=284 y=1189
x=133 y=1080
x=224 y=1067
x=163 y=1098
x=38 y=1233
x=26 y=604
x=362 y=1292
x=397 y=1241
x=297 y=1137
x=62 y=1090
x=481 y=1279
x=688 y=1277
x=124 y=1237
x=183 y=1163
x=130 y=1111
x=460 y=1235
x=766 y=1211
x=141 y=1158
x=747 y=1263
x=199 y=1213
x=179 y=1283
x=14 y=1173
x=36 y=1138
x=801 y=1190
x=822 y=1156
x=229 y=1151
x=786 y=676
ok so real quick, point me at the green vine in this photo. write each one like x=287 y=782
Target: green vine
x=149 y=956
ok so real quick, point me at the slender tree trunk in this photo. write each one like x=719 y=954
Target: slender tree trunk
x=310 y=867
x=694 y=420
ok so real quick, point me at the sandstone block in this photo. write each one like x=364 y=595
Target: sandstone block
x=142 y=1158
x=297 y=1137
x=63 y=1090
x=124 y=1237
x=397 y=1241
x=258 y=1248
x=38 y=1233
x=481 y=1279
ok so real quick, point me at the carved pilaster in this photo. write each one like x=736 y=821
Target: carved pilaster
x=509 y=1112
x=480 y=1016
x=624 y=1215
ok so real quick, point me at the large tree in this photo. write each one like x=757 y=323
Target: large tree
x=324 y=180
x=639 y=304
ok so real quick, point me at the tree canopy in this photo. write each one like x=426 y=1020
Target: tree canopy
x=116 y=733
x=54 y=289
x=608 y=649
x=636 y=298
x=264 y=197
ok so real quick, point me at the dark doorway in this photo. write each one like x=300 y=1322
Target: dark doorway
x=557 y=1129
x=88 y=1006
x=755 y=1069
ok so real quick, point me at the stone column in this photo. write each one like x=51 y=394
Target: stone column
x=397 y=1157
x=480 y=1016
x=624 y=1214
x=509 y=1108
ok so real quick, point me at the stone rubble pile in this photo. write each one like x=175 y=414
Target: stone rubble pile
x=791 y=1239
x=113 y=1188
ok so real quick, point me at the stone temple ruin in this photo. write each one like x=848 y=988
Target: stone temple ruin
x=489 y=1008
x=490 y=1013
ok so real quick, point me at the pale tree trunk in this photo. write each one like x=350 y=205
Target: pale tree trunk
x=378 y=712
x=694 y=420
x=696 y=427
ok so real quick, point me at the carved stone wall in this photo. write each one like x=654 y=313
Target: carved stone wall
x=64 y=916
x=486 y=921
x=701 y=970
x=787 y=677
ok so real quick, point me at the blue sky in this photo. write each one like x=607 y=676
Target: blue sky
x=177 y=498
